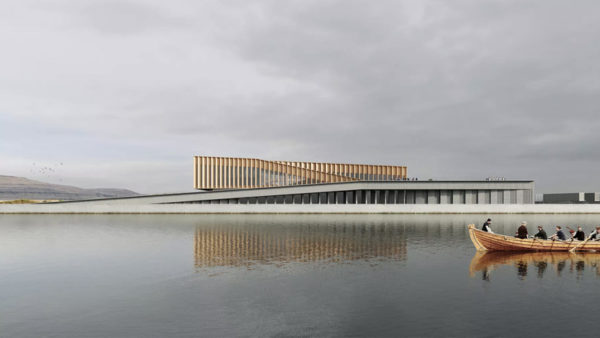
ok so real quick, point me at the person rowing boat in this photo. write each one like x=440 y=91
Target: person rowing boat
x=541 y=234
x=560 y=235
x=487 y=226
x=579 y=234
x=522 y=231
x=595 y=235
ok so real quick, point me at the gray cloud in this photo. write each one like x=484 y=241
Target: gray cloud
x=462 y=89
x=125 y=17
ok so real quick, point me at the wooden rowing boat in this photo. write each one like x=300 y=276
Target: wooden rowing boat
x=495 y=242
x=488 y=261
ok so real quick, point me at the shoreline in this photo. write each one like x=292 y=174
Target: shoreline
x=75 y=208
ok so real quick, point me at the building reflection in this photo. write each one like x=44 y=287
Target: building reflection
x=536 y=262
x=246 y=246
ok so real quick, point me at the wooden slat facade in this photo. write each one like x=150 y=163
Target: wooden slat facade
x=244 y=173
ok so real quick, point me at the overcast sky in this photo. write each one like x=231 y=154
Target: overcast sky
x=123 y=93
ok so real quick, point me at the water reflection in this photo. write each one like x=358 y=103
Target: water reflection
x=247 y=245
x=535 y=262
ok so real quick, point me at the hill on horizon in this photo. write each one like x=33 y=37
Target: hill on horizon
x=15 y=188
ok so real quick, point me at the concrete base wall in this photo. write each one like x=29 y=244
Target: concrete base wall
x=76 y=208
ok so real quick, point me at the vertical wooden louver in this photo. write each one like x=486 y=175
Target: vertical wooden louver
x=243 y=173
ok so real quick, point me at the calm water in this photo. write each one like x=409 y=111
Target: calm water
x=248 y=276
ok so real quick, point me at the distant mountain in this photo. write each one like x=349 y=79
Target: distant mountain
x=13 y=188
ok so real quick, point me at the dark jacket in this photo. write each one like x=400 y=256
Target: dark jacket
x=484 y=227
x=541 y=234
x=561 y=235
x=579 y=235
x=522 y=232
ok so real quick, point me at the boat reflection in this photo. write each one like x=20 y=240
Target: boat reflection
x=537 y=262
x=247 y=246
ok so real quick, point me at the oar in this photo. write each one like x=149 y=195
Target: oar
x=578 y=245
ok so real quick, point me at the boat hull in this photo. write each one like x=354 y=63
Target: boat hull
x=485 y=241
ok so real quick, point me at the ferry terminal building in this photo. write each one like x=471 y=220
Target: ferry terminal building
x=229 y=180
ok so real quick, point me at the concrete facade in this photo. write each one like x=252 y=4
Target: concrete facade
x=401 y=192
x=574 y=198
